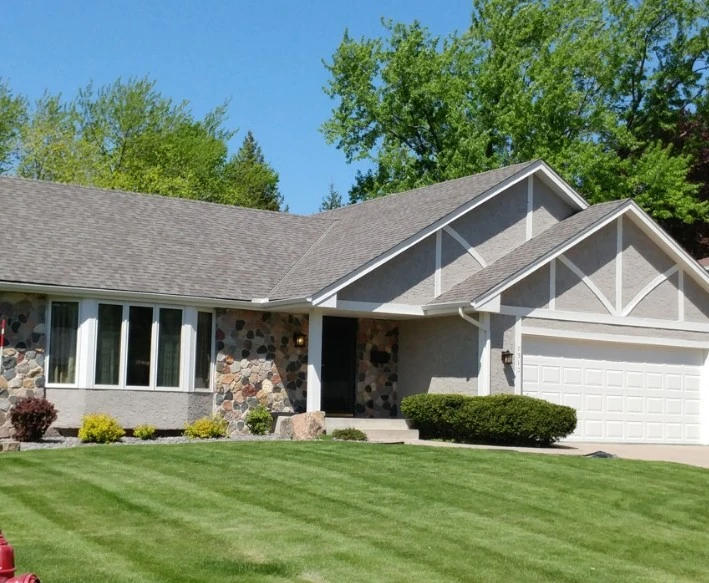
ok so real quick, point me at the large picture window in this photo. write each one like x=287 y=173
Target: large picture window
x=63 y=334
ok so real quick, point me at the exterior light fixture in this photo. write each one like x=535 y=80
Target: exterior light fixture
x=299 y=339
x=507 y=357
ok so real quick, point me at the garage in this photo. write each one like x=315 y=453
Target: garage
x=622 y=392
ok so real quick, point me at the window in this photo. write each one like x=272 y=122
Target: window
x=63 y=335
x=108 y=344
x=170 y=333
x=203 y=352
x=140 y=332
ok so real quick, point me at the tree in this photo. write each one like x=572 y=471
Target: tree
x=598 y=88
x=253 y=182
x=333 y=200
x=128 y=136
x=12 y=115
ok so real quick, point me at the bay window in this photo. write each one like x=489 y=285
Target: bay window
x=97 y=344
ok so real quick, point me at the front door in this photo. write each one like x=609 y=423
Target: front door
x=339 y=349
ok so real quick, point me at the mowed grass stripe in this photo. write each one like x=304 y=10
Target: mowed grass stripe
x=352 y=512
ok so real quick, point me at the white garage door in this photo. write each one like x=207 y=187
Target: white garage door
x=621 y=392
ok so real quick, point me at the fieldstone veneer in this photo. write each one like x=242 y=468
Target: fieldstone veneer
x=258 y=363
x=23 y=352
x=377 y=368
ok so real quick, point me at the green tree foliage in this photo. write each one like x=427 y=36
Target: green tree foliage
x=253 y=182
x=12 y=114
x=128 y=136
x=612 y=93
x=333 y=200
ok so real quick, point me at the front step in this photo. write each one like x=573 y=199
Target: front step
x=378 y=430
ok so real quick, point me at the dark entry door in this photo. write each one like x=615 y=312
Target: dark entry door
x=339 y=349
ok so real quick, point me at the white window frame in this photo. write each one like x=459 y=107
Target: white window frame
x=87 y=344
x=48 y=340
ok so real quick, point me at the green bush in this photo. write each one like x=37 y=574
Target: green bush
x=207 y=427
x=31 y=417
x=100 y=428
x=349 y=434
x=498 y=419
x=259 y=420
x=144 y=432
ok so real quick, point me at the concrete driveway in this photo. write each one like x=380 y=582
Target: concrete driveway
x=693 y=455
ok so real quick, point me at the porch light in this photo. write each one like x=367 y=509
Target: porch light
x=299 y=339
x=507 y=357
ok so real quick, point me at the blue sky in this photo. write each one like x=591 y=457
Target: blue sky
x=265 y=55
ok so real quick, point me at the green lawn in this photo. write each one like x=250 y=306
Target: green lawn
x=338 y=512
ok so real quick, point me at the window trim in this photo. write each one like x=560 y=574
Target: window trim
x=48 y=343
x=87 y=345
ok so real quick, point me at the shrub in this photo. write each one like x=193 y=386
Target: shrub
x=207 y=427
x=259 y=420
x=349 y=434
x=499 y=419
x=31 y=417
x=100 y=428
x=144 y=432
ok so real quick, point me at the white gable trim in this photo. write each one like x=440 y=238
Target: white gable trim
x=587 y=280
x=643 y=293
x=540 y=167
x=465 y=245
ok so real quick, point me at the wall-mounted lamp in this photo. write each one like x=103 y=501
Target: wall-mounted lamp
x=299 y=339
x=507 y=357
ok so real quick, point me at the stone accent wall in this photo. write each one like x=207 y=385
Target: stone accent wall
x=258 y=363
x=377 y=368
x=23 y=352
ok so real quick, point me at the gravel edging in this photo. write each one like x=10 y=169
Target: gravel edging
x=67 y=442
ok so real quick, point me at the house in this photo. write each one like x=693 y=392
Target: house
x=704 y=263
x=160 y=310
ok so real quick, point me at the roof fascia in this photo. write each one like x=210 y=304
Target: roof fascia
x=370 y=266
x=563 y=187
x=118 y=295
x=553 y=254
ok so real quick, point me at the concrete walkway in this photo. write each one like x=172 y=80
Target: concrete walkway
x=693 y=455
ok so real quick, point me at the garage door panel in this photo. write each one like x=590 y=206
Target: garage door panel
x=621 y=393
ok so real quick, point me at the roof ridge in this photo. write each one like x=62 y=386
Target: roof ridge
x=101 y=189
x=450 y=180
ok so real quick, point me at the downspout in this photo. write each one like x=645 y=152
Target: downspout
x=484 y=363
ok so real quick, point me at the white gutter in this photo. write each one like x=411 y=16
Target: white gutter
x=472 y=321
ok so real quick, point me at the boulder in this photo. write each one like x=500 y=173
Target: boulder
x=304 y=426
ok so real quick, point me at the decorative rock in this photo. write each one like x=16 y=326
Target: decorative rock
x=6 y=446
x=303 y=427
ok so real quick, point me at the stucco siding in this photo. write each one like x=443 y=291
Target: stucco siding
x=498 y=226
x=408 y=278
x=661 y=303
x=531 y=292
x=643 y=260
x=438 y=355
x=696 y=302
x=548 y=207
x=573 y=295
x=592 y=328
x=502 y=337
x=165 y=410
x=596 y=257
x=456 y=263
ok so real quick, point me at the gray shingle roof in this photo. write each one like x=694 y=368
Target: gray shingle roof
x=527 y=254
x=365 y=231
x=67 y=235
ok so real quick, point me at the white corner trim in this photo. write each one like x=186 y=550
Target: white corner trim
x=619 y=338
x=437 y=276
x=530 y=207
x=485 y=355
x=591 y=318
x=313 y=401
x=375 y=308
x=518 y=355
x=619 y=266
x=680 y=295
x=648 y=288
x=467 y=246
x=552 y=284
x=592 y=286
